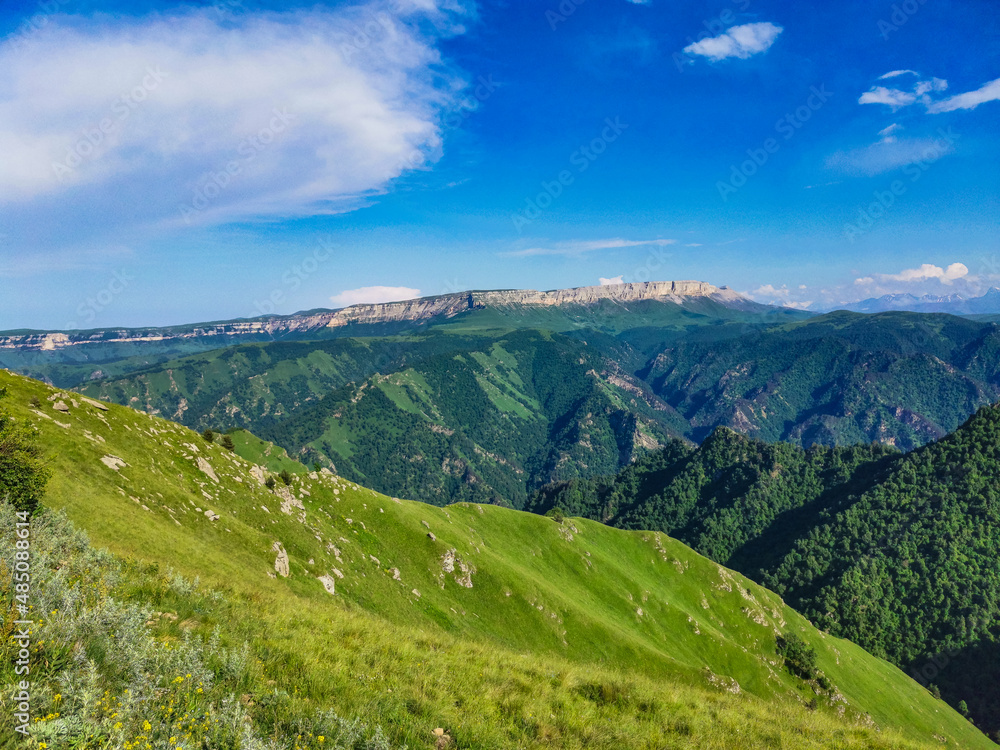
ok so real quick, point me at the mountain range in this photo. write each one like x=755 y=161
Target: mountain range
x=844 y=461
x=954 y=304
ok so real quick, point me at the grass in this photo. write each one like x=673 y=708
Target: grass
x=571 y=635
x=272 y=457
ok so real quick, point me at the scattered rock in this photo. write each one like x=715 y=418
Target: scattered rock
x=61 y=406
x=257 y=473
x=431 y=536
x=113 y=462
x=395 y=574
x=426 y=525
x=329 y=584
x=206 y=468
x=95 y=404
x=281 y=561
x=211 y=515
x=288 y=500
x=375 y=560
x=337 y=573
x=415 y=593
x=448 y=561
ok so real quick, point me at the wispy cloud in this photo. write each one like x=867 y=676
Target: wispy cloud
x=374 y=295
x=579 y=247
x=888 y=154
x=923 y=91
x=891 y=97
x=895 y=73
x=888 y=134
x=988 y=92
x=737 y=41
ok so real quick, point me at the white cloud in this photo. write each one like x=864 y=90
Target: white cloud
x=769 y=290
x=922 y=92
x=308 y=111
x=614 y=280
x=894 y=73
x=888 y=134
x=988 y=92
x=579 y=247
x=737 y=41
x=928 y=271
x=769 y=294
x=373 y=295
x=891 y=97
x=888 y=154
x=934 y=84
x=864 y=281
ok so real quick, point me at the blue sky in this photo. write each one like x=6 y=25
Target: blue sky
x=164 y=163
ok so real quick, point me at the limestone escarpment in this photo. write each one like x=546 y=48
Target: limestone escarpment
x=416 y=310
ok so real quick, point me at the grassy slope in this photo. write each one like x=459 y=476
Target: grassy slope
x=547 y=647
x=272 y=457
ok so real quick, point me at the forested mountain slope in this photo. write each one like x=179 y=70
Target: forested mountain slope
x=900 y=552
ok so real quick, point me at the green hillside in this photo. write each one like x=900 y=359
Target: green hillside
x=484 y=418
x=505 y=629
x=489 y=404
x=897 y=552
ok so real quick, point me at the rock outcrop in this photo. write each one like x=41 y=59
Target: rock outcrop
x=424 y=308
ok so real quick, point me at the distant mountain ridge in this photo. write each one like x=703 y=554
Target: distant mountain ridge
x=406 y=311
x=954 y=304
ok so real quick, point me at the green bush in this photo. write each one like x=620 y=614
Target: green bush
x=800 y=658
x=23 y=474
x=209 y=436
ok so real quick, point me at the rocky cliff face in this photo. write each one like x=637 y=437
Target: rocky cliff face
x=409 y=310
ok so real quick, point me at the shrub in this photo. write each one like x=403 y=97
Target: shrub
x=269 y=483
x=209 y=436
x=23 y=474
x=800 y=657
x=285 y=477
x=227 y=443
x=556 y=514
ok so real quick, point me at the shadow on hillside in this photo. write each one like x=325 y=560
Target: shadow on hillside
x=972 y=675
